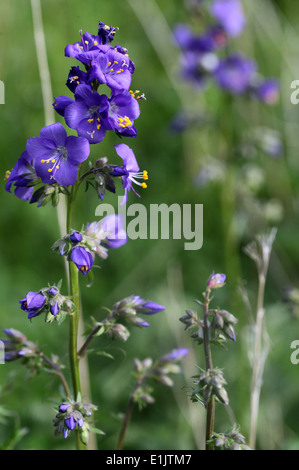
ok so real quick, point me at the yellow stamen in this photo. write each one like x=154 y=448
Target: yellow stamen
x=95 y=43
x=43 y=161
x=144 y=185
x=90 y=120
x=115 y=62
x=53 y=160
x=145 y=175
x=124 y=122
x=49 y=170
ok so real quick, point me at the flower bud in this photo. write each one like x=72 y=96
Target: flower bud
x=216 y=280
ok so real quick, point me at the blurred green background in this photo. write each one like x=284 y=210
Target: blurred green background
x=237 y=206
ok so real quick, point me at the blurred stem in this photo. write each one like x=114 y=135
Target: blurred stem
x=57 y=370
x=129 y=409
x=256 y=372
x=229 y=130
x=126 y=420
x=46 y=88
x=209 y=366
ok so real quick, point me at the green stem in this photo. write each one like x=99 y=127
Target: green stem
x=209 y=366
x=74 y=318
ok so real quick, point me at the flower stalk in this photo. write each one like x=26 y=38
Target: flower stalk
x=209 y=367
x=74 y=293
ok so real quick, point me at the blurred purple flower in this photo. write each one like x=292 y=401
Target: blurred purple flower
x=268 y=91
x=229 y=14
x=235 y=73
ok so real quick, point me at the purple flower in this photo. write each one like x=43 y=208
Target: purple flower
x=131 y=169
x=189 y=41
x=112 y=68
x=106 y=33
x=230 y=15
x=56 y=156
x=268 y=91
x=86 y=49
x=76 y=77
x=21 y=177
x=54 y=308
x=87 y=114
x=193 y=67
x=61 y=102
x=82 y=258
x=123 y=109
x=235 y=73
x=33 y=303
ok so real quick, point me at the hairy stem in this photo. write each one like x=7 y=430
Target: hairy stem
x=209 y=366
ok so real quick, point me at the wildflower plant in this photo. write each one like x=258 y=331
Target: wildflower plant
x=215 y=328
x=56 y=164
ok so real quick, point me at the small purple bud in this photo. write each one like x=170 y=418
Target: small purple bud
x=76 y=237
x=70 y=422
x=53 y=291
x=63 y=407
x=216 y=280
x=153 y=308
x=54 y=309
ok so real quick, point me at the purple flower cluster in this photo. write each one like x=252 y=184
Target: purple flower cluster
x=95 y=239
x=74 y=415
x=51 y=160
x=90 y=113
x=205 y=56
x=47 y=300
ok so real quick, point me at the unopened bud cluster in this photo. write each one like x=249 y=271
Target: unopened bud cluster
x=71 y=416
x=18 y=347
x=47 y=300
x=233 y=440
x=210 y=383
x=125 y=313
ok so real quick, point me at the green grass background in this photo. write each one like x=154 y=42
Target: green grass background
x=160 y=270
